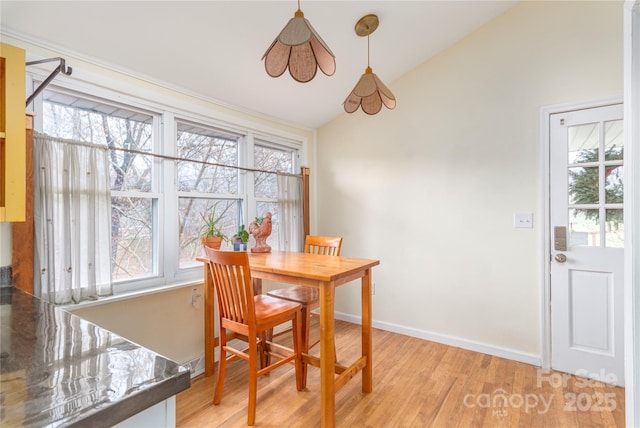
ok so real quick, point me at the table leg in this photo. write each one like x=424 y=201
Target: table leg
x=367 y=340
x=265 y=358
x=327 y=356
x=257 y=286
x=209 y=323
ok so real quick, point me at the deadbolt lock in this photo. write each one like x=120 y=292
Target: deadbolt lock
x=560 y=238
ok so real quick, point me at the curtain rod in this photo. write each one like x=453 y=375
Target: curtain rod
x=288 y=174
x=60 y=68
x=139 y=152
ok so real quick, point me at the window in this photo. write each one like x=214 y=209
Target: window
x=158 y=201
x=269 y=158
x=204 y=188
x=595 y=175
x=133 y=190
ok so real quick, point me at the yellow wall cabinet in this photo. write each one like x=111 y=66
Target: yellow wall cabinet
x=12 y=133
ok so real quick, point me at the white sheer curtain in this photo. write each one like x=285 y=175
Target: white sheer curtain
x=72 y=217
x=290 y=210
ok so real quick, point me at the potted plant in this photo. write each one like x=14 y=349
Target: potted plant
x=211 y=232
x=240 y=239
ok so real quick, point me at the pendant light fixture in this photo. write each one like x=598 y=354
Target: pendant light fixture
x=301 y=49
x=369 y=92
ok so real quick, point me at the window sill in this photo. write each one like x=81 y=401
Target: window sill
x=129 y=295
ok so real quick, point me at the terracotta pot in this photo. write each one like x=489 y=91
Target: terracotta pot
x=213 y=242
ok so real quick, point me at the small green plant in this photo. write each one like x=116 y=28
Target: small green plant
x=242 y=235
x=211 y=227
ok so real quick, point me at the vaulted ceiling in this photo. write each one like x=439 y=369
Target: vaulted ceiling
x=214 y=48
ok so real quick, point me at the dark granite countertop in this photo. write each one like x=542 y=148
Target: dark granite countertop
x=57 y=369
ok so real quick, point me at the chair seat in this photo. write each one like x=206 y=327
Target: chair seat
x=304 y=295
x=270 y=310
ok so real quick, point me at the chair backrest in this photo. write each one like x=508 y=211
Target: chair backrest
x=326 y=245
x=232 y=282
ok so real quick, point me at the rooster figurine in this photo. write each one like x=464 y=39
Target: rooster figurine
x=261 y=232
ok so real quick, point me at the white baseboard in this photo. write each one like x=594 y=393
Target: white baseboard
x=471 y=345
x=196 y=365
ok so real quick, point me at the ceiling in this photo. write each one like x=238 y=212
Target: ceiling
x=214 y=48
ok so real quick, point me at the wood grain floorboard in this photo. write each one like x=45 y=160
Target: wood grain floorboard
x=417 y=383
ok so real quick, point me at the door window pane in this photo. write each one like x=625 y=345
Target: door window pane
x=613 y=185
x=615 y=229
x=584 y=228
x=583 y=143
x=583 y=185
x=613 y=140
x=605 y=156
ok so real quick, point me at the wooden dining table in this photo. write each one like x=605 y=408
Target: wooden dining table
x=324 y=273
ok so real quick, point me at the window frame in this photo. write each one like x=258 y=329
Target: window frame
x=166 y=116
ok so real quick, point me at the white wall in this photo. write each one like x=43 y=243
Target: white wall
x=430 y=188
x=165 y=322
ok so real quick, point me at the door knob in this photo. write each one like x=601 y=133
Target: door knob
x=561 y=258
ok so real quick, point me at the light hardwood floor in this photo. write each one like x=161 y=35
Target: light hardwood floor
x=416 y=383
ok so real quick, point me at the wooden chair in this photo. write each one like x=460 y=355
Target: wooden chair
x=243 y=313
x=308 y=297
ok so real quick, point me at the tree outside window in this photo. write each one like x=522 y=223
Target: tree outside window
x=155 y=225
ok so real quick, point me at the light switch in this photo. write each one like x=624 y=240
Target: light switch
x=523 y=220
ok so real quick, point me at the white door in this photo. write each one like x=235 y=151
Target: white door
x=587 y=243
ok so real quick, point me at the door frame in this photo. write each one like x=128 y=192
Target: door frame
x=545 y=233
x=632 y=213
x=631 y=34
